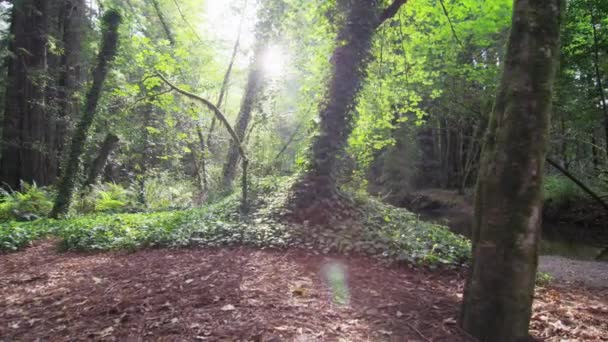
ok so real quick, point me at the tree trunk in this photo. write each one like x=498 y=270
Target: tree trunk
x=203 y=166
x=598 y=76
x=508 y=204
x=26 y=154
x=72 y=18
x=108 y=145
x=224 y=88
x=316 y=193
x=255 y=83
x=111 y=21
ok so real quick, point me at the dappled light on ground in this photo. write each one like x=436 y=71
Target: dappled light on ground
x=249 y=294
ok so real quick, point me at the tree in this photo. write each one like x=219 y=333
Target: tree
x=111 y=21
x=270 y=16
x=508 y=205
x=43 y=75
x=26 y=154
x=316 y=193
x=96 y=167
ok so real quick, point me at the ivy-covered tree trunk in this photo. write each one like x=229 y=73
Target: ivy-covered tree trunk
x=71 y=29
x=316 y=194
x=111 y=21
x=26 y=154
x=508 y=204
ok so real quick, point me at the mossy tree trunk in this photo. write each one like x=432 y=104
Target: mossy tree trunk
x=508 y=204
x=70 y=26
x=316 y=194
x=111 y=22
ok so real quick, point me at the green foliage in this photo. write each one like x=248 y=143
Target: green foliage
x=400 y=235
x=162 y=192
x=106 y=198
x=16 y=235
x=165 y=192
x=31 y=203
x=559 y=190
x=386 y=232
x=543 y=279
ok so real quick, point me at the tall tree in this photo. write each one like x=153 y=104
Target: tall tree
x=270 y=15
x=253 y=89
x=111 y=21
x=25 y=142
x=70 y=30
x=508 y=204
x=317 y=192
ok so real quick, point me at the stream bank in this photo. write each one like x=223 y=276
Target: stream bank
x=570 y=252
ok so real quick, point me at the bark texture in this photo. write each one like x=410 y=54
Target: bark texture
x=40 y=88
x=66 y=68
x=111 y=21
x=508 y=204
x=25 y=140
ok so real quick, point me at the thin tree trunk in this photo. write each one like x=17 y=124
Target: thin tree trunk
x=581 y=185
x=201 y=140
x=594 y=152
x=497 y=302
x=255 y=83
x=598 y=76
x=109 y=144
x=224 y=88
x=563 y=145
x=222 y=118
x=163 y=22
x=111 y=21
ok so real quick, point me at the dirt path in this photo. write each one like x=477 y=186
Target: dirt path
x=251 y=295
x=589 y=273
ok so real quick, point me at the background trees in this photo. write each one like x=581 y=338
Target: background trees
x=348 y=98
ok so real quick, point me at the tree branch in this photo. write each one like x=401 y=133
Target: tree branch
x=590 y=192
x=390 y=11
x=447 y=15
x=216 y=111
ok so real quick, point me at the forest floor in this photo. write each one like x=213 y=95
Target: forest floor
x=248 y=294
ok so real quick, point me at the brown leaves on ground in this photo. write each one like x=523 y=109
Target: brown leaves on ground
x=251 y=295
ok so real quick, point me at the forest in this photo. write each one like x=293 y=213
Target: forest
x=304 y=170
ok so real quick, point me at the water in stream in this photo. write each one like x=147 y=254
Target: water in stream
x=553 y=243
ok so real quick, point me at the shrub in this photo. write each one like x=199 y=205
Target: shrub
x=31 y=203
x=16 y=235
x=105 y=198
x=164 y=192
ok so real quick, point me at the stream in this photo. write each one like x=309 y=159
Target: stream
x=565 y=259
x=553 y=243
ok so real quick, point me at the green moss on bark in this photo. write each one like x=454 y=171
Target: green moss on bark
x=498 y=295
x=111 y=22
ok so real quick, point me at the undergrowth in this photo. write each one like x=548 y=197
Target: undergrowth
x=27 y=204
x=383 y=231
x=559 y=190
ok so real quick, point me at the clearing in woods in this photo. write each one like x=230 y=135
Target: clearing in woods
x=247 y=294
